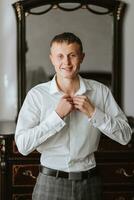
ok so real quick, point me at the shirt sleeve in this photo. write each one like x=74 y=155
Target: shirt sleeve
x=112 y=121
x=30 y=133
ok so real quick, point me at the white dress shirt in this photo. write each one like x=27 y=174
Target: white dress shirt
x=68 y=144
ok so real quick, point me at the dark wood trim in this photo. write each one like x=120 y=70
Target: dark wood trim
x=21 y=51
x=117 y=52
x=29 y=4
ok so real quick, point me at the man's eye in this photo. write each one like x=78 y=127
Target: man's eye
x=60 y=56
x=73 y=55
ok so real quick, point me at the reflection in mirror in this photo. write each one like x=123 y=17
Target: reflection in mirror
x=96 y=9
x=68 y=6
x=95 y=31
x=40 y=10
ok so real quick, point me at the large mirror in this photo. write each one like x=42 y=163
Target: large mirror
x=97 y=23
x=96 y=33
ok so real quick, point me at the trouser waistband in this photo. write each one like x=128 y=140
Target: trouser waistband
x=69 y=175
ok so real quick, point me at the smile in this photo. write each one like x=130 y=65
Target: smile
x=67 y=69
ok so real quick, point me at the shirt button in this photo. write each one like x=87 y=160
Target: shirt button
x=94 y=121
x=71 y=162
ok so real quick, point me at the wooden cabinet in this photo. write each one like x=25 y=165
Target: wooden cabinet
x=120 y=195
x=18 y=173
x=116 y=166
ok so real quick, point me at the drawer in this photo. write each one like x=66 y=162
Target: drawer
x=9 y=148
x=106 y=196
x=107 y=145
x=16 y=153
x=118 y=195
x=117 y=173
x=21 y=197
x=24 y=175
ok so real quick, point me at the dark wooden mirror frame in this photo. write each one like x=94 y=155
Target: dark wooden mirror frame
x=116 y=8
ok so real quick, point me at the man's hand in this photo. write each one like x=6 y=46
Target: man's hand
x=84 y=104
x=65 y=106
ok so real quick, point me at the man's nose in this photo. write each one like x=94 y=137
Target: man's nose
x=66 y=60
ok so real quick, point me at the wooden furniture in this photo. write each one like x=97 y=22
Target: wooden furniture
x=18 y=173
x=116 y=166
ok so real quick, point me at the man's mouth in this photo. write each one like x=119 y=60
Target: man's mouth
x=67 y=69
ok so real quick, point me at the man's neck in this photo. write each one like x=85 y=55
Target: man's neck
x=67 y=85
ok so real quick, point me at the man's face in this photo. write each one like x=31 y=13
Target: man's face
x=66 y=59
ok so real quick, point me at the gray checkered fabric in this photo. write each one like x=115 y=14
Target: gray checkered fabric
x=52 y=188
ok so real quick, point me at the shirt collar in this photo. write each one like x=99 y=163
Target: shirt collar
x=83 y=86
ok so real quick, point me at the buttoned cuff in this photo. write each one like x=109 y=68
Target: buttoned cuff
x=54 y=122
x=98 y=118
x=89 y=119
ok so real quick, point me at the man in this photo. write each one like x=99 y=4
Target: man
x=63 y=119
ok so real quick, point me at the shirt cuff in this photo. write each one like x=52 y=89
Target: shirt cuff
x=89 y=119
x=54 y=122
x=98 y=118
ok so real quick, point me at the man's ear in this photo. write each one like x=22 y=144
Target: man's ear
x=82 y=57
x=50 y=56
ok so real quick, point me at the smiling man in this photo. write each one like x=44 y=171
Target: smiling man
x=63 y=120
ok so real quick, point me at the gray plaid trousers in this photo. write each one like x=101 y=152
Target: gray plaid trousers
x=52 y=188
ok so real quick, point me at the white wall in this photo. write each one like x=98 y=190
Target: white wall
x=8 y=81
x=8 y=84
x=128 y=60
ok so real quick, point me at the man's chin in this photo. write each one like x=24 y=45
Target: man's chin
x=71 y=76
x=67 y=75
